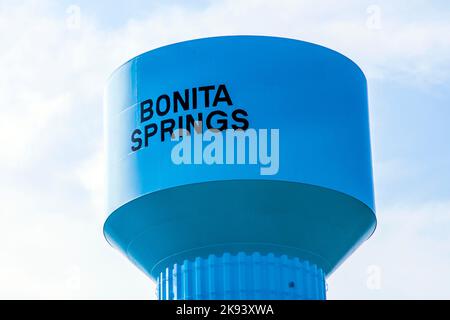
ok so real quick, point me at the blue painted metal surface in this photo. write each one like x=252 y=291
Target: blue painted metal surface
x=242 y=277
x=317 y=207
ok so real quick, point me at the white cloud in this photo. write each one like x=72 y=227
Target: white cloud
x=50 y=162
x=411 y=247
x=400 y=49
x=51 y=130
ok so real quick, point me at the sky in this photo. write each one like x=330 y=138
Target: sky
x=55 y=57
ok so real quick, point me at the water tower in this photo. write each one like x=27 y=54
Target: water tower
x=269 y=217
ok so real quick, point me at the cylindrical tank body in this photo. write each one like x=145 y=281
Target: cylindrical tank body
x=238 y=167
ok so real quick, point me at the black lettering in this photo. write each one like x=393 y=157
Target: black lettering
x=206 y=89
x=222 y=121
x=165 y=129
x=235 y=116
x=218 y=97
x=197 y=124
x=150 y=131
x=178 y=99
x=146 y=110
x=160 y=112
x=180 y=122
x=137 y=140
x=194 y=98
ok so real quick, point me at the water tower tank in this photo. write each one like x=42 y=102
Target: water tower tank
x=238 y=167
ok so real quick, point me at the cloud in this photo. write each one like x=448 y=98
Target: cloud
x=51 y=159
x=411 y=249
x=55 y=61
x=385 y=41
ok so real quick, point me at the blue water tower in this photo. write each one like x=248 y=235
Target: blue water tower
x=239 y=167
